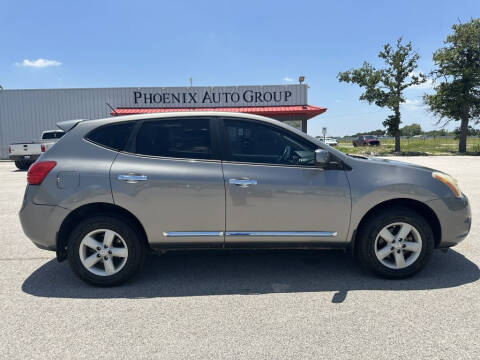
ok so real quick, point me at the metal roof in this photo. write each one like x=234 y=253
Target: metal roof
x=305 y=111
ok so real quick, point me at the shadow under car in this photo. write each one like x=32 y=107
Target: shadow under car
x=216 y=272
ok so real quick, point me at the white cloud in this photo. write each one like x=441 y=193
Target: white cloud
x=413 y=104
x=287 y=79
x=39 y=63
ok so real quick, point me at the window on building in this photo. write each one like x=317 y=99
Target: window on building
x=258 y=143
x=297 y=124
x=181 y=138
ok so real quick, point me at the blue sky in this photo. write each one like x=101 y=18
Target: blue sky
x=163 y=43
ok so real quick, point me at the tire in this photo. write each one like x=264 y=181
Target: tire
x=372 y=246
x=108 y=269
x=22 y=164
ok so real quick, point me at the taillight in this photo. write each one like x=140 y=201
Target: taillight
x=42 y=147
x=9 y=149
x=38 y=171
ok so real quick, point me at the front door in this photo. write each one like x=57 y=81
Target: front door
x=274 y=192
x=171 y=178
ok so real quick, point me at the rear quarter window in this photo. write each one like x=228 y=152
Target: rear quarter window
x=112 y=136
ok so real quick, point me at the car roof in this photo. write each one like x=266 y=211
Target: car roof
x=193 y=114
x=184 y=114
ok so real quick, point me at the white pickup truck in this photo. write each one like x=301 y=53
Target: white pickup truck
x=25 y=154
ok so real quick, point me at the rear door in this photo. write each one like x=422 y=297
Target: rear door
x=170 y=177
x=275 y=194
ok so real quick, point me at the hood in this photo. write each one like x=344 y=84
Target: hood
x=388 y=162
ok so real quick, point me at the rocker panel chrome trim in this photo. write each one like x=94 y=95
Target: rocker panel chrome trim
x=192 y=233
x=283 y=233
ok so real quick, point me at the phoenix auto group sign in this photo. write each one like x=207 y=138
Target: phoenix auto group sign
x=224 y=96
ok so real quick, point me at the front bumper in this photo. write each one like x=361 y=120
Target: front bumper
x=41 y=223
x=455 y=218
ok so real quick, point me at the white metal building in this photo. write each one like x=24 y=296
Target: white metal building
x=25 y=113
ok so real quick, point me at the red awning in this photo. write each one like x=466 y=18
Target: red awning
x=305 y=111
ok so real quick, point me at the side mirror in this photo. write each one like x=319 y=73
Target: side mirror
x=322 y=157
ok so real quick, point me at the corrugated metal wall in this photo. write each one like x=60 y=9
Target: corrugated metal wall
x=24 y=114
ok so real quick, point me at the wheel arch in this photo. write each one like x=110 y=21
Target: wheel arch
x=90 y=210
x=415 y=205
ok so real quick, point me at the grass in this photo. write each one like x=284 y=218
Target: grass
x=411 y=147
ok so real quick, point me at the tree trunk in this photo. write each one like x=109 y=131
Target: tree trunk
x=462 y=143
x=397 y=129
x=397 y=140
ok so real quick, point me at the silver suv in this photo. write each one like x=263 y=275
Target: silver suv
x=113 y=189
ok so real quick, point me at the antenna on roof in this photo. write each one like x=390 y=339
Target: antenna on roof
x=111 y=108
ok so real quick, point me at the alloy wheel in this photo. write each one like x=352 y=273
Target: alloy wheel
x=398 y=245
x=103 y=252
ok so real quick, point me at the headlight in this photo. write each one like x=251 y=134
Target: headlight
x=449 y=181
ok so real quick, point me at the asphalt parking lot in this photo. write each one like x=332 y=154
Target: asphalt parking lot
x=218 y=305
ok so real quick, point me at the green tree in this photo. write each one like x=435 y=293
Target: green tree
x=457 y=69
x=384 y=87
x=470 y=132
x=411 y=130
x=435 y=133
x=378 y=132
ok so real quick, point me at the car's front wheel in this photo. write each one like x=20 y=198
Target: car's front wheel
x=395 y=243
x=105 y=250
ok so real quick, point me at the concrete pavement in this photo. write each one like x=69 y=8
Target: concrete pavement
x=250 y=304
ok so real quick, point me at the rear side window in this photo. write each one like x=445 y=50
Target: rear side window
x=181 y=138
x=113 y=136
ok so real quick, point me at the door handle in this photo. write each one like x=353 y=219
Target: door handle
x=242 y=182
x=132 y=178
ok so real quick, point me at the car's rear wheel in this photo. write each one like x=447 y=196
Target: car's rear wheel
x=105 y=250
x=395 y=243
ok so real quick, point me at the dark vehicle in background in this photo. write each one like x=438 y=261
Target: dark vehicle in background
x=366 y=140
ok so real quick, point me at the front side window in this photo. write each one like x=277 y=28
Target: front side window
x=112 y=136
x=260 y=143
x=181 y=138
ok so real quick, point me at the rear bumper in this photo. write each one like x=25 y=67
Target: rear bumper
x=455 y=219
x=41 y=223
x=31 y=158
